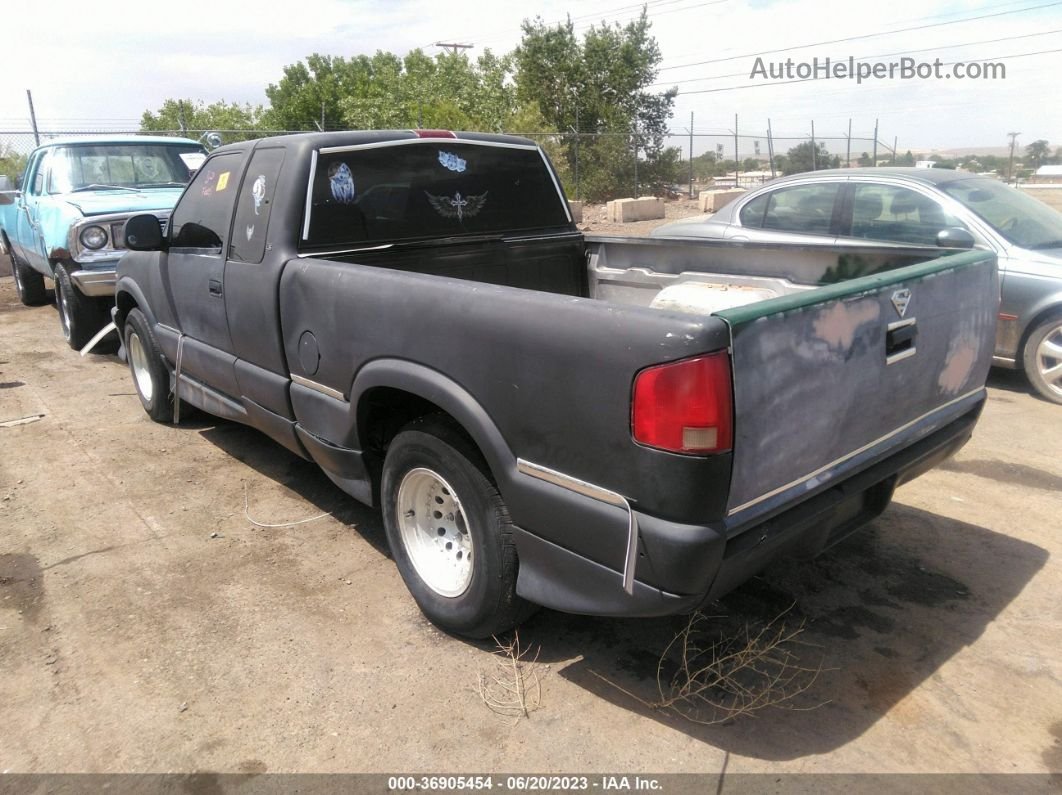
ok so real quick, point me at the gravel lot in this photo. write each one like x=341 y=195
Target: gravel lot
x=147 y=624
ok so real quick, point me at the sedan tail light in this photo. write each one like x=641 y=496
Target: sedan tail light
x=685 y=406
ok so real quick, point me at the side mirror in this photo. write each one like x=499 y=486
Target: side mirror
x=143 y=233
x=955 y=237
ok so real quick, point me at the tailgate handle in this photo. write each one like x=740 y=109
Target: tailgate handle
x=900 y=340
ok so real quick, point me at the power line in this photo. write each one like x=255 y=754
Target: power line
x=864 y=58
x=863 y=36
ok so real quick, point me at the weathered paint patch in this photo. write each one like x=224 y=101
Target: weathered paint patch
x=837 y=325
x=960 y=361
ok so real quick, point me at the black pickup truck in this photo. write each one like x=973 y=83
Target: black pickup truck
x=608 y=426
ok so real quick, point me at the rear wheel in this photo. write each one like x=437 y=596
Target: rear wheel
x=28 y=283
x=79 y=316
x=449 y=531
x=150 y=376
x=1043 y=359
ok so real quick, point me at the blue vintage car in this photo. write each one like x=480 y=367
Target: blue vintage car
x=65 y=223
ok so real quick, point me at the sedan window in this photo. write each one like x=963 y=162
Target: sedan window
x=806 y=209
x=897 y=215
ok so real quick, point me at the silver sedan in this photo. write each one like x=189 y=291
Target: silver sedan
x=921 y=207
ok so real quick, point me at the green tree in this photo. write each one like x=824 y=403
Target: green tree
x=307 y=96
x=12 y=163
x=806 y=157
x=1037 y=153
x=906 y=159
x=234 y=122
x=599 y=87
x=865 y=160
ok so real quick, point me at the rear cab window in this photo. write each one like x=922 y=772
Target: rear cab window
x=404 y=191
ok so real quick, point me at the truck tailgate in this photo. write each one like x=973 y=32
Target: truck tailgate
x=824 y=378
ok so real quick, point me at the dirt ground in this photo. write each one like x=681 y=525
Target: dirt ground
x=595 y=218
x=148 y=624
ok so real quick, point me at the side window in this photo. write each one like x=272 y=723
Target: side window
x=897 y=215
x=36 y=174
x=752 y=213
x=807 y=209
x=201 y=217
x=254 y=205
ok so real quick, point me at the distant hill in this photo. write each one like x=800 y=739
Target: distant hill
x=998 y=151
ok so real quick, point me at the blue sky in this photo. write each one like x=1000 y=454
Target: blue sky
x=96 y=69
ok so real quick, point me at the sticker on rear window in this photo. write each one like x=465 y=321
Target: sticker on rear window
x=223 y=181
x=342 y=180
x=258 y=192
x=457 y=206
x=452 y=162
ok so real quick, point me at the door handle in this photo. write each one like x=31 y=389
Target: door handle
x=214 y=286
x=900 y=340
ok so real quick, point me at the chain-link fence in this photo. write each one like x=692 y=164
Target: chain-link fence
x=593 y=166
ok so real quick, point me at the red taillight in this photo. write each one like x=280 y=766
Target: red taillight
x=685 y=406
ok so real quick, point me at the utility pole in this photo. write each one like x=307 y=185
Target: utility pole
x=577 y=148
x=1010 y=165
x=453 y=48
x=874 y=162
x=180 y=118
x=848 y=154
x=37 y=135
x=895 y=141
x=737 y=163
x=691 y=154
x=814 y=149
x=770 y=147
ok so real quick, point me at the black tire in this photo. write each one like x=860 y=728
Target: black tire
x=80 y=316
x=151 y=378
x=29 y=285
x=488 y=605
x=1043 y=358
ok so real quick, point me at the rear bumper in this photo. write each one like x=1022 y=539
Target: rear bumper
x=96 y=283
x=681 y=566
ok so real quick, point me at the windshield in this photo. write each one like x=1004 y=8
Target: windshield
x=134 y=166
x=1021 y=219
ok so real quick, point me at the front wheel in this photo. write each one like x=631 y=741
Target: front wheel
x=1043 y=359
x=449 y=531
x=151 y=378
x=29 y=285
x=79 y=315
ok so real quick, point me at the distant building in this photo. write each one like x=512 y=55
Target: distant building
x=925 y=164
x=1047 y=175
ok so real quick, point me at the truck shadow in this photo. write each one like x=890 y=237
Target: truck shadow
x=303 y=478
x=881 y=613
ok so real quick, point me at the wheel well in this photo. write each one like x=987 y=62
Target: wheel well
x=125 y=303
x=384 y=411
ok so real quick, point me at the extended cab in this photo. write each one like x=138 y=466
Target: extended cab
x=65 y=224
x=597 y=425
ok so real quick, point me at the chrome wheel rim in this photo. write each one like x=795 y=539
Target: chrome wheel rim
x=434 y=532
x=1049 y=359
x=138 y=363
x=64 y=311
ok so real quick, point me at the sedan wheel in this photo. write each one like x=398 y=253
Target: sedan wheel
x=1043 y=359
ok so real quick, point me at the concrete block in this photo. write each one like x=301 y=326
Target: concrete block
x=625 y=211
x=577 y=211
x=712 y=201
